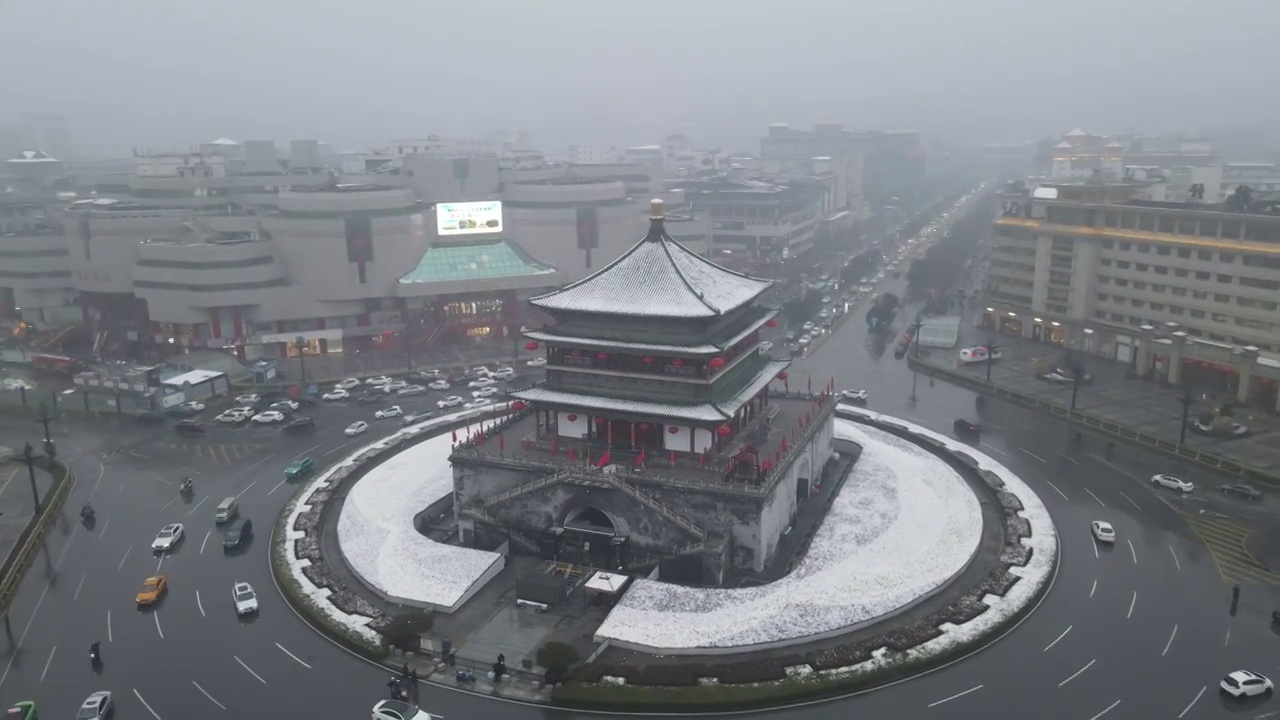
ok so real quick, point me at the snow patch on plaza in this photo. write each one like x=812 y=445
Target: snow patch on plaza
x=380 y=544
x=904 y=524
x=319 y=596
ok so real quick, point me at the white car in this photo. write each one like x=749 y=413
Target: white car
x=336 y=394
x=503 y=373
x=482 y=382
x=191 y=406
x=411 y=390
x=980 y=353
x=451 y=401
x=283 y=405
x=270 y=416
x=857 y=396
x=397 y=710
x=478 y=403
x=394 y=386
x=356 y=428
x=231 y=417
x=439 y=385
x=1102 y=531
x=481 y=370
x=347 y=384
x=536 y=362
x=766 y=346
x=484 y=392
x=380 y=380
x=393 y=411
x=97 y=706
x=244 y=597
x=1246 y=683
x=1173 y=482
x=168 y=537
x=248 y=399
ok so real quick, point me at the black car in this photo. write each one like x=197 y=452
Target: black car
x=1240 y=490
x=966 y=429
x=238 y=536
x=302 y=424
x=189 y=427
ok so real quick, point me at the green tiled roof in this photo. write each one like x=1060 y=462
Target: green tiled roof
x=474 y=261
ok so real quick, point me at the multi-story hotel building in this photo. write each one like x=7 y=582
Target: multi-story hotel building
x=270 y=254
x=1165 y=286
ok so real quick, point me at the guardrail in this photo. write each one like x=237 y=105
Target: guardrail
x=1099 y=424
x=38 y=530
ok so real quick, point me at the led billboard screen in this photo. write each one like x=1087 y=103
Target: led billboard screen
x=469 y=218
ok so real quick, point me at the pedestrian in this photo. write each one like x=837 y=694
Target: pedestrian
x=1235 y=593
x=413 y=674
x=404 y=671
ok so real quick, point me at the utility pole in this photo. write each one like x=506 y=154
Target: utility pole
x=911 y=352
x=301 y=343
x=29 y=456
x=408 y=347
x=45 y=418
x=1186 y=402
x=992 y=349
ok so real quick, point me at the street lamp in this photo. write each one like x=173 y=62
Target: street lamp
x=992 y=348
x=300 y=342
x=912 y=347
x=1075 y=386
x=1186 y=402
x=29 y=456
x=45 y=418
x=408 y=347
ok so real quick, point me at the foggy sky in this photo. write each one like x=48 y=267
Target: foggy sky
x=159 y=73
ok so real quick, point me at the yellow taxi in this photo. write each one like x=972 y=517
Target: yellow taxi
x=152 y=590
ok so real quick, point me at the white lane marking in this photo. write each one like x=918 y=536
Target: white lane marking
x=200 y=604
x=137 y=454
x=102 y=470
x=160 y=562
x=105 y=525
x=295 y=657
x=205 y=541
x=259 y=463
x=197 y=507
x=1055 y=640
x=1055 y=488
x=22 y=637
x=339 y=448
x=251 y=672
x=255 y=482
x=1134 y=601
x=1093 y=589
x=1110 y=707
x=47 y=663
x=1175 y=558
x=206 y=694
x=1169 y=644
x=309 y=450
x=1133 y=552
x=1131 y=501
x=1032 y=454
x=79 y=587
x=1064 y=456
x=109 y=636
x=1095 y=497
x=1194 y=700
x=166 y=505
x=1271 y=714
x=189 y=470
x=156 y=614
x=994 y=448
x=1076 y=674
x=1095 y=550
x=277 y=487
x=957 y=695
x=1227 y=639
x=154 y=714
x=123 y=558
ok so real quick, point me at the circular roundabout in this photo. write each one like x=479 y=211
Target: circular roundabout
x=1158 y=599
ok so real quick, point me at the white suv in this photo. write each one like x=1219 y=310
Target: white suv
x=1173 y=482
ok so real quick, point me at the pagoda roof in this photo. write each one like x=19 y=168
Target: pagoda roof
x=658 y=277
x=697 y=412
x=549 y=335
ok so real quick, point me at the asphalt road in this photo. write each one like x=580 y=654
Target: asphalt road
x=1141 y=629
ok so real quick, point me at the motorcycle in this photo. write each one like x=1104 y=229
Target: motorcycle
x=1275 y=616
x=86 y=513
x=94 y=656
x=187 y=488
x=464 y=675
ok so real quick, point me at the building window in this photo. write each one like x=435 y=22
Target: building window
x=1147 y=222
x=1157 y=306
x=1202 y=275
x=1126 y=247
x=1106 y=262
x=1184 y=253
x=1137 y=303
x=1123 y=265
x=1144 y=249
x=1157 y=287
x=1108 y=244
x=1179 y=291
x=1219 y=297
x=1225 y=279
x=1208 y=228
x=1113 y=219
x=1167 y=225
x=1161 y=270
x=1121 y=282
x=1142 y=267
x=1226 y=258
x=1100 y=314
x=1139 y=285
x=1128 y=221
x=1179 y=272
x=1162 y=250
x=1204 y=255
x=1230 y=230
x=1102 y=297
x=1176 y=310
x=1197 y=314
x=1186 y=227
x=1262 y=284
x=1117 y=317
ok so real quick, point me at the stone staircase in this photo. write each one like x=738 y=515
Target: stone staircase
x=656 y=505
x=526 y=488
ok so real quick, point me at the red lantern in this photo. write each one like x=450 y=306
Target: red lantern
x=677 y=362
x=571 y=417
x=531 y=345
x=647 y=360
x=716 y=363
x=602 y=356
x=773 y=322
x=576 y=353
x=784 y=375
x=518 y=405
x=672 y=429
x=601 y=421
x=643 y=426
x=724 y=431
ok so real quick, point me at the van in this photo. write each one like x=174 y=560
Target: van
x=226 y=510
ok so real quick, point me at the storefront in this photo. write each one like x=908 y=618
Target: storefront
x=307 y=342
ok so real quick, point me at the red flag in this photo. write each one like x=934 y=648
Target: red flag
x=604 y=459
x=453 y=436
x=640 y=458
x=573 y=457
x=702 y=460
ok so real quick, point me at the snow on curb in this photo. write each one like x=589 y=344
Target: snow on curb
x=381 y=545
x=904 y=525
x=357 y=624
x=1035 y=574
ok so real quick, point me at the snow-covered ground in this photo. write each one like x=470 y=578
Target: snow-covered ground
x=904 y=524
x=301 y=504
x=1039 y=571
x=380 y=544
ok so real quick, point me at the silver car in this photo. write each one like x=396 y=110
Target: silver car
x=97 y=706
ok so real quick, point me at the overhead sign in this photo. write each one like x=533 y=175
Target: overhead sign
x=469 y=218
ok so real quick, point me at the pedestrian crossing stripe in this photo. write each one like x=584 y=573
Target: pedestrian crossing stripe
x=219 y=454
x=1226 y=539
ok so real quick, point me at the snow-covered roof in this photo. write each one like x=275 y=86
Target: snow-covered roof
x=658 y=277
x=32 y=156
x=1064 y=145
x=224 y=141
x=607 y=582
x=1114 y=144
x=1077 y=133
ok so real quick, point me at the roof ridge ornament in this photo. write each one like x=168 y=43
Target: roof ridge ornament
x=657 y=212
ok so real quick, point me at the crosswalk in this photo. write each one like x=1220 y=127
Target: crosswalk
x=1225 y=539
x=211 y=453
